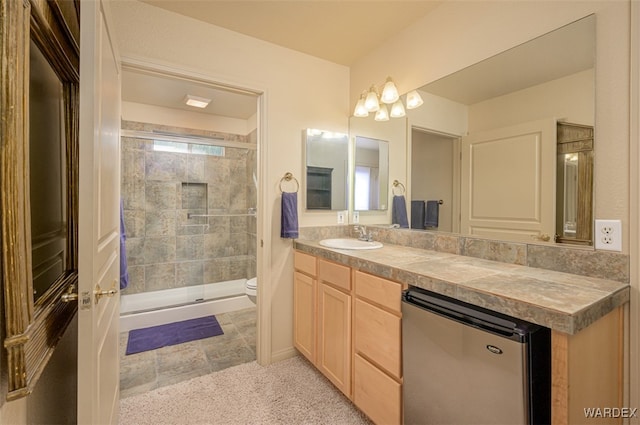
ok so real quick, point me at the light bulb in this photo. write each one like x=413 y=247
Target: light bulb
x=413 y=99
x=389 y=92
x=361 y=110
x=382 y=114
x=397 y=110
x=371 y=102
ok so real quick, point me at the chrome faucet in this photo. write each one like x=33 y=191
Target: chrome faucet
x=362 y=233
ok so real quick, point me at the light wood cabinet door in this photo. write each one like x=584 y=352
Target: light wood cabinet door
x=304 y=315
x=334 y=336
x=376 y=394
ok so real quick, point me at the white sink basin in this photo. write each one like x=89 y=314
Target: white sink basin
x=347 y=243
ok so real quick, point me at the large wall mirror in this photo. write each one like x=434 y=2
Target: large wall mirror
x=39 y=165
x=371 y=174
x=327 y=170
x=487 y=141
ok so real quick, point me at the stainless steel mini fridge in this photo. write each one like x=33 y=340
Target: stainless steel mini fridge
x=463 y=364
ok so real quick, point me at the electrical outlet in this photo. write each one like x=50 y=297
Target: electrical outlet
x=356 y=217
x=340 y=217
x=608 y=235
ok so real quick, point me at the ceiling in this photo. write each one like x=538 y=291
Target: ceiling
x=337 y=31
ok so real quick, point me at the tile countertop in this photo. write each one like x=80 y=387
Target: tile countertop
x=561 y=301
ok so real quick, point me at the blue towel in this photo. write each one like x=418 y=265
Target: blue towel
x=124 y=272
x=417 y=214
x=399 y=211
x=431 y=217
x=289 y=219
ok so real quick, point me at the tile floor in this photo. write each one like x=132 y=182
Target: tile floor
x=148 y=370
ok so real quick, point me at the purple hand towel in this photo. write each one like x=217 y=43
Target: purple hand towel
x=124 y=272
x=289 y=219
x=399 y=211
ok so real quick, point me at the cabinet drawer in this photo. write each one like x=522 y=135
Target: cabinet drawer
x=377 y=336
x=376 y=394
x=378 y=290
x=305 y=263
x=335 y=274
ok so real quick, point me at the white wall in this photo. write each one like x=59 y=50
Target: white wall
x=460 y=33
x=176 y=117
x=300 y=92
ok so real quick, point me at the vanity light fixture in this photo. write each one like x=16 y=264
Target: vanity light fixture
x=414 y=99
x=382 y=114
x=361 y=110
x=198 y=102
x=389 y=92
x=370 y=101
x=397 y=109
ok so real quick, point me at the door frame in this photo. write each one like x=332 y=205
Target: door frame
x=264 y=214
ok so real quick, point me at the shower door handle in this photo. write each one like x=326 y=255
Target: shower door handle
x=70 y=295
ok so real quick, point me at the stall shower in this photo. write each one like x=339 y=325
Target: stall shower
x=189 y=204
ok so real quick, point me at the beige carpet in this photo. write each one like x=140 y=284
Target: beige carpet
x=287 y=392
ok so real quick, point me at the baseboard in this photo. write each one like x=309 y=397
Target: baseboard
x=285 y=354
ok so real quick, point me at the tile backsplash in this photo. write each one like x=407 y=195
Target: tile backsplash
x=575 y=260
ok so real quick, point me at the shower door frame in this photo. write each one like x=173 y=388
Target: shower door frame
x=263 y=215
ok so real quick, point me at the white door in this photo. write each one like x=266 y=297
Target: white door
x=99 y=203
x=508 y=182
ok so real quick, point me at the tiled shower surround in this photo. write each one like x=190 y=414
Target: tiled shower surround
x=166 y=249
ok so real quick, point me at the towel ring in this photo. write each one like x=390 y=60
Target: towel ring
x=288 y=177
x=396 y=183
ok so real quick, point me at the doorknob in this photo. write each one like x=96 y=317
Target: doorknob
x=99 y=293
x=544 y=237
x=69 y=296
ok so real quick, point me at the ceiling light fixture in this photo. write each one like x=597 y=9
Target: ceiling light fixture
x=198 y=102
x=370 y=101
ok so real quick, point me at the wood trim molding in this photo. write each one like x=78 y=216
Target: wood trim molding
x=33 y=329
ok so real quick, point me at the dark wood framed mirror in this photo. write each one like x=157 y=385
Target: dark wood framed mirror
x=39 y=49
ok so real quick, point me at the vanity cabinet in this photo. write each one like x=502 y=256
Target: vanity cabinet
x=348 y=324
x=377 y=348
x=587 y=373
x=304 y=302
x=334 y=324
x=322 y=317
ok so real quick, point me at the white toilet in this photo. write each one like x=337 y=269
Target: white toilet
x=251 y=288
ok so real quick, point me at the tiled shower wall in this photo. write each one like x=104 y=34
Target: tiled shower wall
x=164 y=248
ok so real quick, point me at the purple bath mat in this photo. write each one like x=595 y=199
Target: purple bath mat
x=172 y=333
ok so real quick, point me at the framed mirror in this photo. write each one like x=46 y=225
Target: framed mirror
x=327 y=170
x=509 y=104
x=371 y=174
x=39 y=182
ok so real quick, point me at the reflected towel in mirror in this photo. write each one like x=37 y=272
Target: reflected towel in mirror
x=289 y=218
x=399 y=211
x=432 y=215
x=417 y=214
